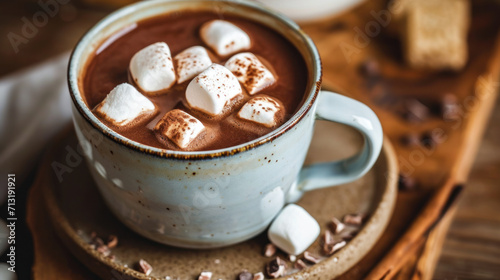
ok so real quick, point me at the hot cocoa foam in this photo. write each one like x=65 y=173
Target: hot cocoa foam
x=180 y=31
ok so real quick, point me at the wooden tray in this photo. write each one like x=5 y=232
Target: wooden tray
x=76 y=209
x=439 y=172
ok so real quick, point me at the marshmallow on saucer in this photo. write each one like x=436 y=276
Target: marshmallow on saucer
x=124 y=104
x=152 y=68
x=293 y=230
x=191 y=62
x=250 y=72
x=224 y=37
x=180 y=127
x=262 y=110
x=213 y=89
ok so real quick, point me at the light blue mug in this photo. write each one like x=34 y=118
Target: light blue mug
x=215 y=198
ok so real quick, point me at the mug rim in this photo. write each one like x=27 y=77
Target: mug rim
x=312 y=88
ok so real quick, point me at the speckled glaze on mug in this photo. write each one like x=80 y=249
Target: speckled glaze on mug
x=210 y=199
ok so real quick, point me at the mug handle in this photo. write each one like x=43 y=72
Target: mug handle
x=340 y=109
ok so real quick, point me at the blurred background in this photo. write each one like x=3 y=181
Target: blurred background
x=471 y=247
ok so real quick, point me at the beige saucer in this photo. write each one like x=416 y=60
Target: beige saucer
x=76 y=209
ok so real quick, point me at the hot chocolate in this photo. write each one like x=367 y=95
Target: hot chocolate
x=254 y=110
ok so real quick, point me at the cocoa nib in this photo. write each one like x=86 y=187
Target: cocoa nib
x=145 y=267
x=97 y=244
x=104 y=250
x=112 y=241
x=300 y=264
x=354 y=219
x=328 y=237
x=336 y=226
x=406 y=183
x=245 y=275
x=348 y=235
x=410 y=140
x=276 y=268
x=310 y=257
x=258 y=276
x=370 y=68
x=450 y=108
x=414 y=111
x=205 y=275
x=331 y=248
x=270 y=250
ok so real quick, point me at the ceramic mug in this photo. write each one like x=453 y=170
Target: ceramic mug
x=207 y=199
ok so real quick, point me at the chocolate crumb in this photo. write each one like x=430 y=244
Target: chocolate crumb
x=370 y=68
x=205 y=275
x=348 y=235
x=329 y=249
x=353 y=219
x=103 y=249
x=145 y=267
x=310 y=257
x=410 y=140
x=414 y=111
x=270 y=250
x=336 y=226
x=258 y=276
x=300 y=264
x=245 y=275
x=327 y=237
x=112 y=241
x=276 y=268
x=430 y=140
x=406 y=183
x=450 y=108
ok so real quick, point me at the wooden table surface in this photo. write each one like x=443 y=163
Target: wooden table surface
x=472 y=246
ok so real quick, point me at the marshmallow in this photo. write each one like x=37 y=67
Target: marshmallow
x=180 y=127
x=294 y=230
x=250 y=72
x=224 y=37
x=262 y=110
x=191 y=62
x=124 y=104
x=152 y=68
x=213 y=89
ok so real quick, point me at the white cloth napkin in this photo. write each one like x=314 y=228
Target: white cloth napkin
x=34 y=105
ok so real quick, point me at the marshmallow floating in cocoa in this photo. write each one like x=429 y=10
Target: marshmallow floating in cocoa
x=124 y=104
x=224 y=37
x=293 y=230
x=191 y=62
x=263 y=110
x=152 y=69
x=180 y=127
x=250 y=72
x=212 y=90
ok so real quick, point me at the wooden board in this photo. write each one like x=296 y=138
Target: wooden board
x=438 y=171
